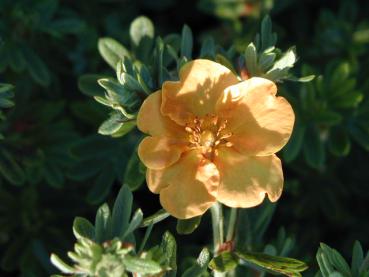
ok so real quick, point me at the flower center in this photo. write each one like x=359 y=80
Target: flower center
x=208 y=133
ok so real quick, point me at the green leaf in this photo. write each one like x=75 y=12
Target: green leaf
x=357 y=258
x=142 y=266
x=186 y=42
x=304 y=79
x=283 y=265
x=134 y=224
x=16 y=59
x=313 y=148
x=268 y=38
x=360 y=135
x=124 y=129
x=102 y=224
x=62 y=266
x=6 y=103
x=114 y=124
x=224 y=262
x=169 y=247
x=201 y=265
x=336 y=259
x=89 y=86
x=286 y=61
x=187 y=226
x=130 y=83
x=224 y=61
x=339 y=142
x=266 y=60
x=10 y=169
x=122 y=211
x=251 y=60
x=83 y=228
x=293 y=147
x=67 y=25
x=133 y=176
x=155 y=218
x=102 y=185
x=328 y=118
x=36 y=67
x=112 y=51
x=208 y=48
x=140 y=28
x=53 y=175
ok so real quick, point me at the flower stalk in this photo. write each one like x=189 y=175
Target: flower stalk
x=232 y=224
x=218 y=232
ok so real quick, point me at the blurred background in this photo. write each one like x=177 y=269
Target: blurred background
x=54 y=166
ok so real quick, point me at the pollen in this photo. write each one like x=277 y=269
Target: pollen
x=208 y=133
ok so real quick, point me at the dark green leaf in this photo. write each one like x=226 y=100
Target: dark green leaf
x=186 y=42
x=88 y=84
x=10 y=169
x=122 y=211
x=357 y=258
x=313 y=148
x=187 y=226
x=339 y=142
x=224 y=262
x=293 y=147
x=133 y=177
x=102 y=185
x=36 y=67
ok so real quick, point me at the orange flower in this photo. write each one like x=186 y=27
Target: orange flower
x=213 y=138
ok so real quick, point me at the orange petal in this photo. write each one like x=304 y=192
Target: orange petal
x=160 y=152
x=151 y=121
x=245 y=180
x=187 y=188
x=154 y=180
x=201 y=84
x=261 y=123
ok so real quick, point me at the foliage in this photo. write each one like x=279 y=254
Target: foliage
x=331 y=263
x=108 y=248
x=53 y=165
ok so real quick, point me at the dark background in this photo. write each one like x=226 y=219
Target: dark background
x=54 y=166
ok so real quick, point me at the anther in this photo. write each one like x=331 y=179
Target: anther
x=229 y=144
x=189 y=129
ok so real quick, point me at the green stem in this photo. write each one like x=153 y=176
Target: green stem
x=218 y=234
x=232 y=224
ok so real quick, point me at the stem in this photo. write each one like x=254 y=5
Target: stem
x=232 y=224
x=218 y=234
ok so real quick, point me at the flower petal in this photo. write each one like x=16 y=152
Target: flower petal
x=201 y=84
x=261 y=123
x=187 y=188
x=245 y=180
x=160 y=152
x=152 y=122
x=154 y=180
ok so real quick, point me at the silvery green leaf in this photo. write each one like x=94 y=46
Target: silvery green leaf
x=140 y=28
x=251 y=60
x=112 y=51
